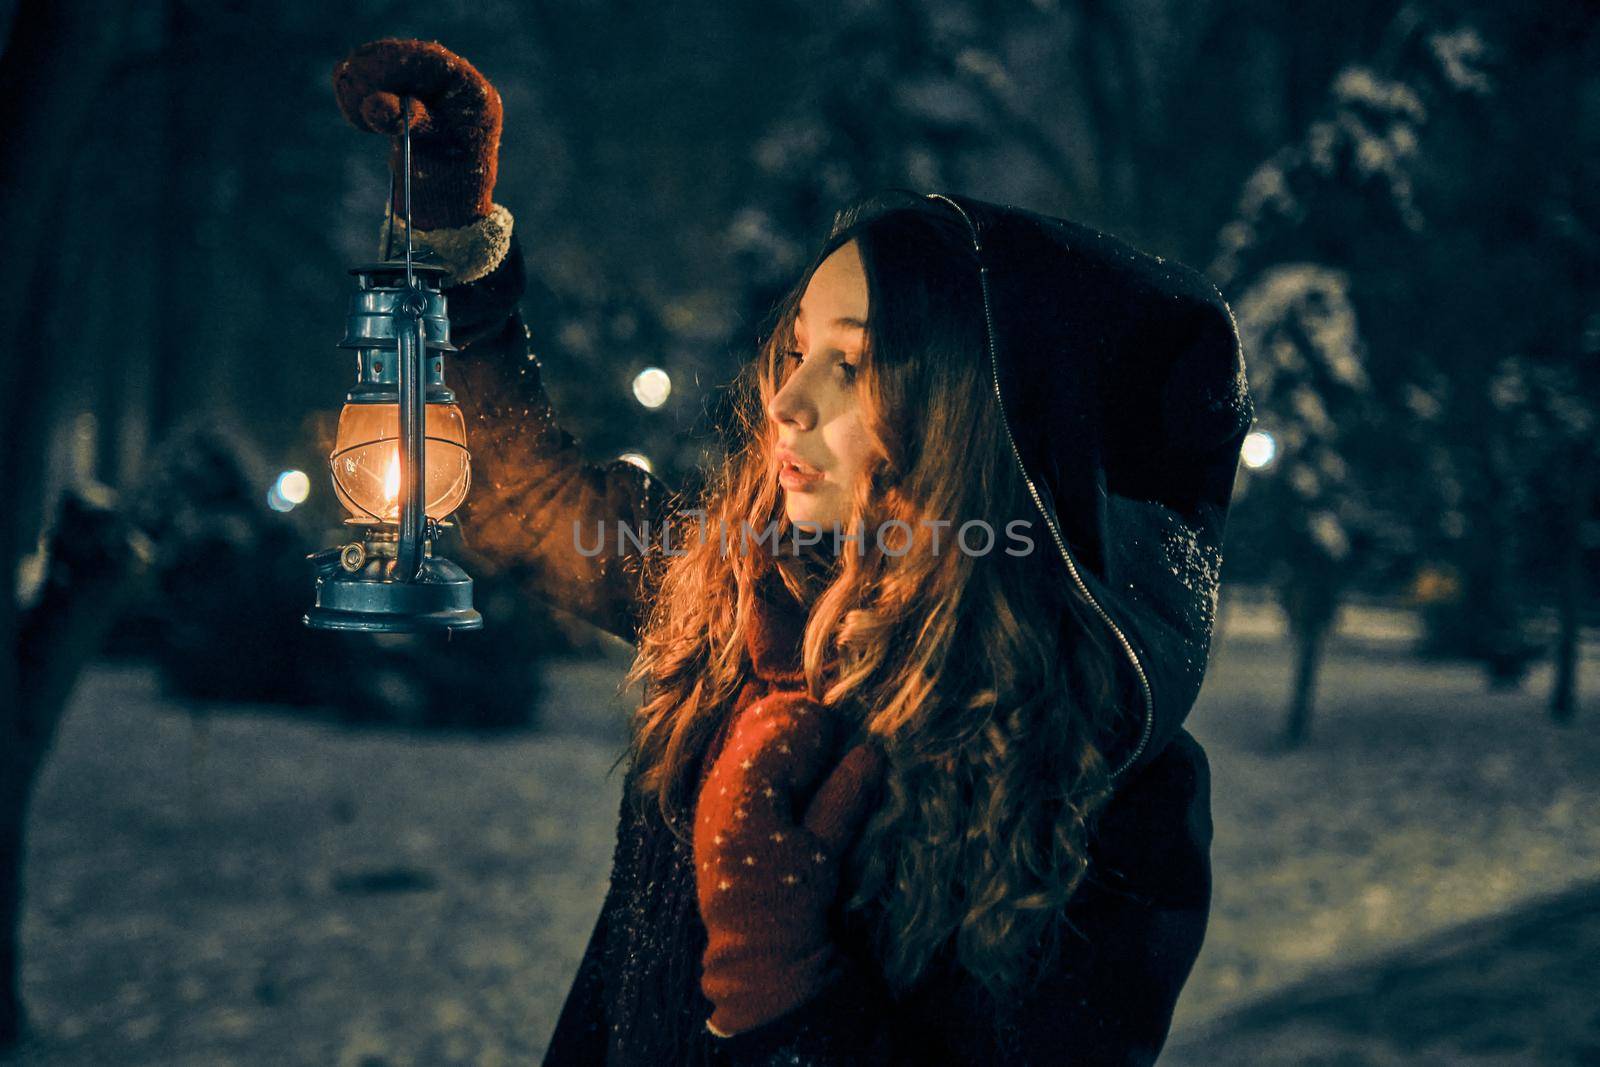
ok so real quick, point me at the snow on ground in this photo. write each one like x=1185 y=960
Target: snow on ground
x=1512 y=990
x=1422 y=801
x=252 y=888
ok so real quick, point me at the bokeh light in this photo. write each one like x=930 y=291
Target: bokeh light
x=1260 y=449
x=652 y=386
x=289 y=491
x=294 y=486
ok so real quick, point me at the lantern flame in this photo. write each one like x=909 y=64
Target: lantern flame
x=391 y=479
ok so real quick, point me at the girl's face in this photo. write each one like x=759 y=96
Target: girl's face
x=815 y=414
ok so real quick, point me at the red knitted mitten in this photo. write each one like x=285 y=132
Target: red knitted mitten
x=766 y=873
x=455 y=125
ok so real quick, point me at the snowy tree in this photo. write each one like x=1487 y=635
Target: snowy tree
x=1288 y=260
x=1308 y=510
x=1373 y=190
x=1459 y=199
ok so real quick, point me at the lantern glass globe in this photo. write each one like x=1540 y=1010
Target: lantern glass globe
x=366 y=461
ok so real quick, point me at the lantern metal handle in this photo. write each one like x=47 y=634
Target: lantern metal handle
x=410 y=341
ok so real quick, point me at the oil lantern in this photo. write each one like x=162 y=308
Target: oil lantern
x=400 y=463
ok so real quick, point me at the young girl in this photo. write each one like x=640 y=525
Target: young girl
x=909 y=784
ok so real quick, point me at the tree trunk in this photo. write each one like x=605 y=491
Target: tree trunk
x=1308 y=646
x=1311 y=606
x=1564 y=691
x=55 y=60
x=94 y=560
x=51 y=69
x=16 y=776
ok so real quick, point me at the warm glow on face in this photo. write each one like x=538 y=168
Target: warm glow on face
x=815 y=414
x=391 y=478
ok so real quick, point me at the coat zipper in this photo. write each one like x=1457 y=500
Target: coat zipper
x=1038 y=501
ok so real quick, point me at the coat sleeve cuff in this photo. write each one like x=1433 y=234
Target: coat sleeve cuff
x=468 y=252
x=842 y=1026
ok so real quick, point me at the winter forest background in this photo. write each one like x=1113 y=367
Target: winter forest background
x=224 y=839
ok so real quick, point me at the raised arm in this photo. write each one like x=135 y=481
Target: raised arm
x=537 y=506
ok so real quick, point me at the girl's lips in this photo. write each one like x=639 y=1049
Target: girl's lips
x=790 y=477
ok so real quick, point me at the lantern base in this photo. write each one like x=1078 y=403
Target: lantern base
x=373 y=600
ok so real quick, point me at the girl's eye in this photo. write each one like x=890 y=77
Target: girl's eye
x=799 y=357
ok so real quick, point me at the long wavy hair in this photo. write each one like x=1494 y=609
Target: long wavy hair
x=985 y=677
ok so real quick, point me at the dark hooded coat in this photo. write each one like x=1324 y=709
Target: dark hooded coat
x=1097 y=351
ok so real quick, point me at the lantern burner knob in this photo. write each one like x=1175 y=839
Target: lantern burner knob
x=353 y=556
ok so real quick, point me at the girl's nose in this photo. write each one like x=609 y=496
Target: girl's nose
x=790 y=405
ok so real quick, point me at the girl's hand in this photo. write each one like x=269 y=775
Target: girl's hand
x=455 y=125
x=766 y=874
